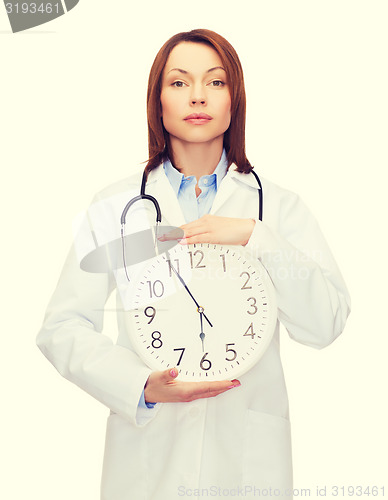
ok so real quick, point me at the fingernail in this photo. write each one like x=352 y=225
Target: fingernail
x=173 y=372
x=183 y=241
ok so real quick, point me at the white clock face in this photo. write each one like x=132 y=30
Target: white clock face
x=215 y=329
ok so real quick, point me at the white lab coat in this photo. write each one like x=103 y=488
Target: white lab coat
x=238 y=442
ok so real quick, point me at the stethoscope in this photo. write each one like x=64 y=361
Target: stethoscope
x=144 y=196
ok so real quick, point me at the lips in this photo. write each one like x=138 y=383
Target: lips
x=199 y=116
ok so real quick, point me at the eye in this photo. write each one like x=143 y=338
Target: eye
x=178 y=84
x=217 y=83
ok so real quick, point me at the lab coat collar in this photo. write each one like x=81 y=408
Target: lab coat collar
x=247 y=179
x=231 y=182
x=159 y=186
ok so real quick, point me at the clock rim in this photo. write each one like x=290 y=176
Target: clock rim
x=271 y=325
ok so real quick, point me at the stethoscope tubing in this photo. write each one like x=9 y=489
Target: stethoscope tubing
x=143 y=196
x=152 y=199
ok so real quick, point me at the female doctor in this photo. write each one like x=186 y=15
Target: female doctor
x=166 y=438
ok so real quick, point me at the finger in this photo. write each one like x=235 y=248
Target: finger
x=175 y=234
x=203 y=388
x=211 y=392
x=170 y=374
x=194 y=227
x=189 y=391
x=192 y=224
x=214 y=392
x=191 y=228
x=198 y=238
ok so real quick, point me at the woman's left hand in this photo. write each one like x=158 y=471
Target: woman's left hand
x=215 y=229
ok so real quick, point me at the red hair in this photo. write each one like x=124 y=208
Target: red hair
x=159 y=148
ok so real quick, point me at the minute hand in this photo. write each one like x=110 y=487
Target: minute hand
x=188 y=291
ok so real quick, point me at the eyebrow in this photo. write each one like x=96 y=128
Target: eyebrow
x=186 y=72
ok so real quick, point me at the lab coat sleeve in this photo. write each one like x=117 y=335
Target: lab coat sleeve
x=72 y=339
x=313 y=301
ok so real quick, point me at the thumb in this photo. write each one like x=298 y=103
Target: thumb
x=170 y=374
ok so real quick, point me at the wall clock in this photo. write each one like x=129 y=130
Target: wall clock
x=209 y=310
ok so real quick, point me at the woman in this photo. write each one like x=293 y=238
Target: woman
x=167 y=438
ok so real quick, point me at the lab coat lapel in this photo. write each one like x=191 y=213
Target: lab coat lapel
x=230 y=183
x=224 y=192
x=159 y=186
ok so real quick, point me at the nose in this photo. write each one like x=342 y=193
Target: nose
x=198 y=95
x=200 y=100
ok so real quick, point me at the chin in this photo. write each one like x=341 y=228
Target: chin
x=198 y=137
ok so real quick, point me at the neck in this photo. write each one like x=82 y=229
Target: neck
x=196 y=159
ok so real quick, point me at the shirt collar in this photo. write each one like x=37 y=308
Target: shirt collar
x=176 y=178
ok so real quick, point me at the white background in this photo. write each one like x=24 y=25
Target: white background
x=73 y=120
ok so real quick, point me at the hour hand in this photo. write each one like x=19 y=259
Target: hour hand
x=201 y=335
x=188 y=291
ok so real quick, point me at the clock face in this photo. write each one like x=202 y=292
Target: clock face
x=215 y=328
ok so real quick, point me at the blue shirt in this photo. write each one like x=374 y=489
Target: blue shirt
x=193 y=207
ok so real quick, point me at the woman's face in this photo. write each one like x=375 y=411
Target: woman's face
x=195 y=95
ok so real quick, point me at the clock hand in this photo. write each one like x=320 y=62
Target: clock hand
x=188 y=291
x=201 y=335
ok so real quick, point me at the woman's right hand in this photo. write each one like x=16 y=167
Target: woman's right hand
x=163 y=387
